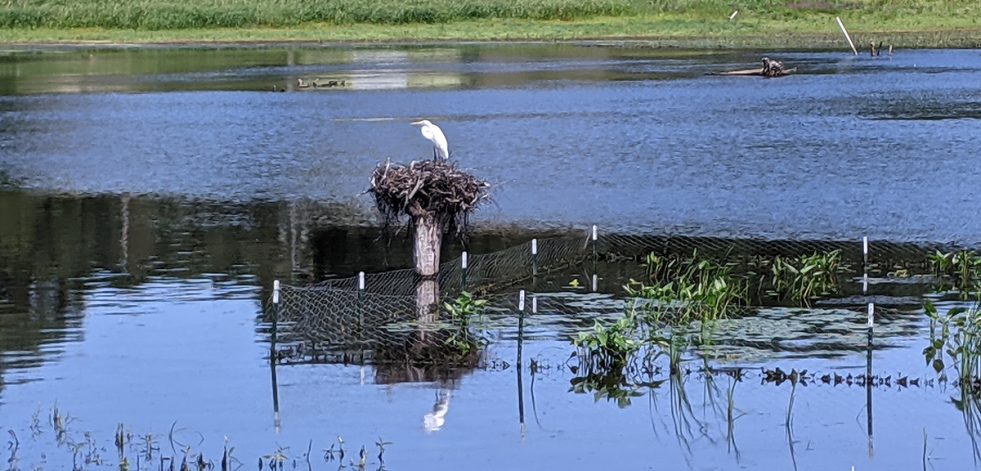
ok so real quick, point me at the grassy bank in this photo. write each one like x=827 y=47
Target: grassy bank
x=696 y=23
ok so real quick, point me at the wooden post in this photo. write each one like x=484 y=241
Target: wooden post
x=849 y=38
x=428 y=239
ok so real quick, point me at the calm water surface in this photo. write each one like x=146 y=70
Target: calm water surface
x=149 y=198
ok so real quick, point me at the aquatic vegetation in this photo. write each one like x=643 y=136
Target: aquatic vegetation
x=684 y=290
x=805 y=277
x=959 y=337
x=960 y=270
x=465 y=314
x=608 y=346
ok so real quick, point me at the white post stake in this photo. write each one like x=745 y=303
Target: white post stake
x=594 y=246
x=849 y=38
x=361 y=281
x=871 y=315
x=594 y=282
x=276 y=292
x=463 y=271
x=534 y=304
x=521 y=300
x=865 y=249
x=534 y=257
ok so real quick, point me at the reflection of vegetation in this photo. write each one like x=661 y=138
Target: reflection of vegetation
x=79 y=449
x=959 y=337
x=969 y=407
x=957 y=270
x=608 y=346
x=609 y=364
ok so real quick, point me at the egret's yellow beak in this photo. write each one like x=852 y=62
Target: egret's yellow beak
x=417 y=123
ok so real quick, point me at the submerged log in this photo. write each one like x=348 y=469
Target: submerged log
x=770 y=69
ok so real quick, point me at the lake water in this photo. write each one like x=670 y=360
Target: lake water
x=149 y=198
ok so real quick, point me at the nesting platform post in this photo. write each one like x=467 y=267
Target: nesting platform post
x=428 y=238
x=437 y=198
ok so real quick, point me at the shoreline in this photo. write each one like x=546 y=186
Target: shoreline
x=818 y=44
x=816 y=33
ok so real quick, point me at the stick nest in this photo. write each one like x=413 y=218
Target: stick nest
x=435 y=189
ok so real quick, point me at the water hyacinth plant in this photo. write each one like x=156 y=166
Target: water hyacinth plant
x=805 y=277
x=680 y=291
x=960 y=270
x=465 y=316
x=956 y=333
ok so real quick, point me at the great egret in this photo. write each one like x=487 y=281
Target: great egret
x=435 y=135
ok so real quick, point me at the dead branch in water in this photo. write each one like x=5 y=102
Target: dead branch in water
x=770 y=69
x=435 y=189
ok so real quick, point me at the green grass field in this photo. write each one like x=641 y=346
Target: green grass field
x=698 y=23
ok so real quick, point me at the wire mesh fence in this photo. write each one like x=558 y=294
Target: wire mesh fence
x=397 y=315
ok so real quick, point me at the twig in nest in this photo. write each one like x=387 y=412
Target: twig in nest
x=436 y=189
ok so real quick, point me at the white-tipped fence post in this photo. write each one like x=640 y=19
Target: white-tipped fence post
x=868 y=376
x=273 y=354
x=865 y=265
x=520 y=366
x=865 y=250
x=849 y=38
x=594 y=282
x=534 y=257
x=361 y=295
x=463 y=271
x=361 y=286
x=275 y=317
x=593 y=238
x=534 y=304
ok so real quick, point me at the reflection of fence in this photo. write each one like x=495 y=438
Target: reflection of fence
x=383 y=315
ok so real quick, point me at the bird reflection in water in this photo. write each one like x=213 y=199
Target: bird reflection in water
x=434 y=420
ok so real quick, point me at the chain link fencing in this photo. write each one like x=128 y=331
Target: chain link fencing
x=398 y=316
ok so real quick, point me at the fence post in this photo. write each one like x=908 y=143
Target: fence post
x=272 y=354
x=594 y=243
x=463 y=271
x=865 y=252
x=534 y=257
x=865 y=265
x=868 y=375
x=361 y=296
x=275 y=320
x=520 y=368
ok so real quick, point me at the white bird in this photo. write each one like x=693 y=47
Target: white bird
x=435 y=135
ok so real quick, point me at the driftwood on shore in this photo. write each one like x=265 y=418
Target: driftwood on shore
x=770 y=69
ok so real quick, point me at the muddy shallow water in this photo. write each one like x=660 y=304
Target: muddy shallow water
x=149 y=198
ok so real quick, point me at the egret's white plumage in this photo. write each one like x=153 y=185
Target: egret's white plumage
x=435 y=135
